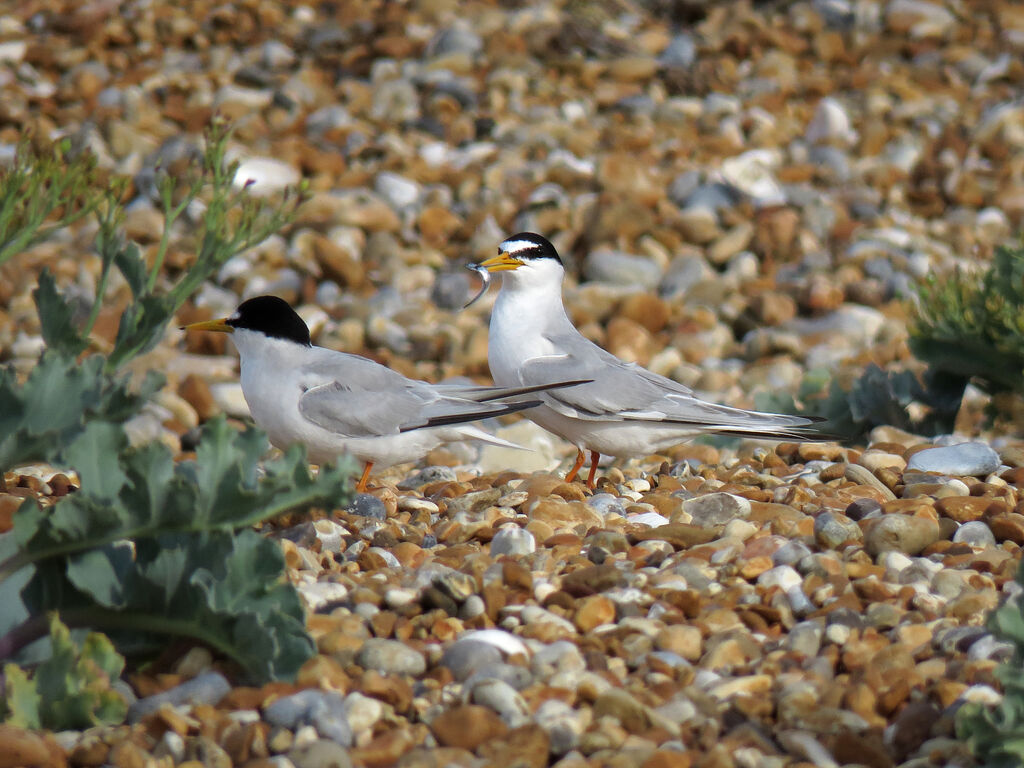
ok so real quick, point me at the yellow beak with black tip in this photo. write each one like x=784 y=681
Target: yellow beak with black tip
x=220 y=326
x=503 y=262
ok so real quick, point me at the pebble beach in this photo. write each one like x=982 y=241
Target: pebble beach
x=742 y=193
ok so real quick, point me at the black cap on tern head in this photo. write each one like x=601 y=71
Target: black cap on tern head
x=529 y=246
x=271 y=316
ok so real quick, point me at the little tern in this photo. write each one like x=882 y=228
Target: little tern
x=333 y=402
x=625 y=410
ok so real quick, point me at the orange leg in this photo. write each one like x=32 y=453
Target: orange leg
x=594 y=458
x=361 y=485
x=571 y=474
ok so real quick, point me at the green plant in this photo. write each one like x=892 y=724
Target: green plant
x=925 y=405
x=995 y=734
x=71 y=689
x=150 y=547
x=972 y=325
x=43 y=191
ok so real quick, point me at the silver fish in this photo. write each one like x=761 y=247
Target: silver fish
x=485 y=276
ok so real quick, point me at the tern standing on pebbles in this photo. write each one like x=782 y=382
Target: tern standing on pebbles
x=626 y=410
x=335 y=403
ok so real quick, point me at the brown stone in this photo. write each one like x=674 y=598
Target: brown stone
x=668 y=758
x=21 y=748
x=594 y=611
x=647 y=310
x=567 y=516
x=384 y=749
x=467 y=726
x=1008 y=527
x=679 y=535
x=963 y=509
x=527 y=746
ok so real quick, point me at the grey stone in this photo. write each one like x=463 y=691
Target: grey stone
x=368 y=505
x=618 y=268
x=512 y=540
x=324 y=710
x=716 y=509
x=399 y=191
x=832 y=529
x=967 y=459
x=451 y=290
x=391 y=657
x=458 y=38
x=805 y=637
x=976 y=533
x=207 y=688
x=321 y=753
x=467 y=657
x=680 y=52
x=503 y=699
x=427 y=475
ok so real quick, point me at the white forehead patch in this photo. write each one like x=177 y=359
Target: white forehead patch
x=234 y=316
x=512 y=247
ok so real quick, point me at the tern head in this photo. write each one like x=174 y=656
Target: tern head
x=529 y=259
x=270 y=316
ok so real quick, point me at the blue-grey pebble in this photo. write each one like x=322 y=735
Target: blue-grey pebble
x=680 y=52
x=432 y=474
x=467 y=657
x=976 y=534
x=368 y=505
x=391 y=657
x=966 y=459
x=324 y=710
x=207 y=688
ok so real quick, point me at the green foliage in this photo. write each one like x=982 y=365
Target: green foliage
x=146 y=545
x=71 y=689
x=55 y=402
x=232 y=221
x=995 y=735
x=973 y=325
x=43 y=191
x=926 y=405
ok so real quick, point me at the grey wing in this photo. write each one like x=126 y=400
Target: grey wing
x=359 y=398
x=627 y=392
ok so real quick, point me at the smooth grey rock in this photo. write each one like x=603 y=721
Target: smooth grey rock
x=321 y=753
x=399 y=192
x=467 y=657
x=503 y=699
x=512 y=540
x=563 y=724
x=391 y=657
x=324 y=710
x=966 y=459
x=680 y=52
x=451 y=290
x=716 y=509
x=805 y=637
x=976 y=533
x=458 y=38
x=988 y=647
x=207 y=688
x=623 y=269
x=832 y=529
x=790 y=553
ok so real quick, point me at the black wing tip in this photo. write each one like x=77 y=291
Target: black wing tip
x=464 y=418
x=504 y=391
